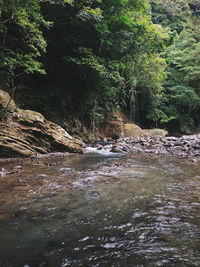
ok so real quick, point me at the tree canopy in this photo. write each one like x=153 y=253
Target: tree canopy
x=90 y=57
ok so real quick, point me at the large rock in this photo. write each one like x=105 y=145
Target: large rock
x=27 y=133
x=117 y=127
x=133 y=130
x=76 y=128
x=114 y=127
x=156 y=132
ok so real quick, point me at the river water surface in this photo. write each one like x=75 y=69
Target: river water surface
x=100 y=210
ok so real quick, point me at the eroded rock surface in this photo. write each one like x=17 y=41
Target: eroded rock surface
x=27 y=133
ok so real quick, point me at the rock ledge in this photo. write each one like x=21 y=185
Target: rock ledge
x=27 y=133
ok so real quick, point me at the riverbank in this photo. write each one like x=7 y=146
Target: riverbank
x=182 y=147
x=26 y=133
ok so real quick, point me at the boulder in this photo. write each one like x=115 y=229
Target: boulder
x=117 y=126
x=114 y=127
x=27 y=133
x=156 y=132
x=133 y=130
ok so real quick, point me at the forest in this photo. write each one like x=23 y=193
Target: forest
x=99 y=133
x=85 y=58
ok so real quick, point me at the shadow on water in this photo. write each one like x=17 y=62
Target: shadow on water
x=100 y=210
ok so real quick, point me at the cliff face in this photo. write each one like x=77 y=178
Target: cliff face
x=27 y=133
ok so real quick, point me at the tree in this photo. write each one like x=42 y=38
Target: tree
x=105 y=44
x=21 y=39
x=179 y=106
x=182 y=97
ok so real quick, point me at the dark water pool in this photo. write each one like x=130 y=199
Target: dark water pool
x=100 y=210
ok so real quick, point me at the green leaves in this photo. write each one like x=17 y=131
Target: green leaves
x=87 y=58
x=183 y=83
x=108 y=53
x=21 y=38
x=181 y=99
x=87 y=13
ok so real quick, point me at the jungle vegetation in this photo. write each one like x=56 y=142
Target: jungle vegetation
x=86 y=58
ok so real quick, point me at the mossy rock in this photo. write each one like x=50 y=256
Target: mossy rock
x=29 y=117
x=133 y=130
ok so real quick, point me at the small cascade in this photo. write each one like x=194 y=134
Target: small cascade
x=104 y=149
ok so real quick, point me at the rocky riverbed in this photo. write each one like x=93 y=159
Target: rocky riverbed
x=25 y=133
x=182 y=147
x=100 y=210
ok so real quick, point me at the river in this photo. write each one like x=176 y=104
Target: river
x=100 y=209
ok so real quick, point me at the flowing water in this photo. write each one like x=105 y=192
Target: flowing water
x=100 y=210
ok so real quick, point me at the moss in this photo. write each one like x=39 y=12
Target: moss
x=29 y=116
x=132 y=130
x=36 y=114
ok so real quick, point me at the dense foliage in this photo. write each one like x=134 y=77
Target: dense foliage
x=21 y=39
x=180 y=106
x=85 y=58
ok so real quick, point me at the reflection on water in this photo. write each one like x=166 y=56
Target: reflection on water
x=100 y=210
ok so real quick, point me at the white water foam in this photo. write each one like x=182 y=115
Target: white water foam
x=106 y=150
